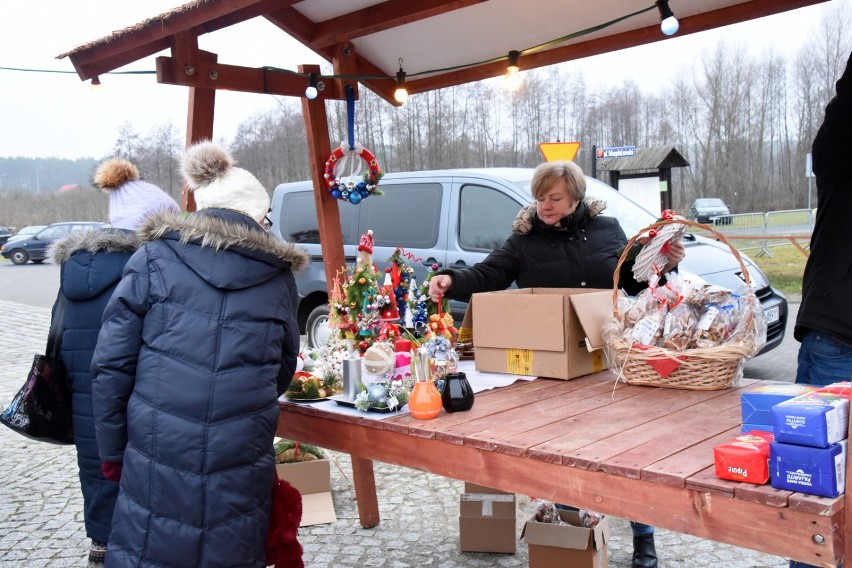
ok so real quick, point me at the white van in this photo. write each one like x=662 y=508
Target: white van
x=454 y=218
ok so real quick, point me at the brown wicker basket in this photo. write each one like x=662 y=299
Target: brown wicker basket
x=709 y=368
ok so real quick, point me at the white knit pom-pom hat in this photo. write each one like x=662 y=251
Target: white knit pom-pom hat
x=216 y=183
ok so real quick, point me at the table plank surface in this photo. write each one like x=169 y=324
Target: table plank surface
x=635 y=452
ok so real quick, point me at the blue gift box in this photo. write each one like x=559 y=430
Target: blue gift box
x=816 y=471
x=757 y=403
x=816 y=419
x=762 y=427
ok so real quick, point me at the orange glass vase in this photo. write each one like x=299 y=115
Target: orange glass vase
x=424 y=402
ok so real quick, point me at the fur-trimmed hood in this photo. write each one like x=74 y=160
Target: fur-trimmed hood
x=219 y=233
x=524 y=221
x=108 y=240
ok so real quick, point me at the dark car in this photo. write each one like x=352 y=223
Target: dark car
x=25 y=232
x=709 y=210
x=461 y=216
x=34 y=248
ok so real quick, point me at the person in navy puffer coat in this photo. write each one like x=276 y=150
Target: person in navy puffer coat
x=91 y=265
x=198 y=341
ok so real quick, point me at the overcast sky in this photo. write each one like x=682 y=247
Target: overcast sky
x=57 y=115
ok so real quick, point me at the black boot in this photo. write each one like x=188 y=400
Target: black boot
x=644 y=553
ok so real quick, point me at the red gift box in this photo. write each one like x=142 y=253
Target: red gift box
x=745 y=458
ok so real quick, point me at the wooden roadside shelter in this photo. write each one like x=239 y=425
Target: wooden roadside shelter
x=437 y=43
x=655 y=162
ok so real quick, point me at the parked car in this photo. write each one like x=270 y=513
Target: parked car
x=709 y=210
x=455 y=218
x=27 y=231
x=5 y=235
x=34 y=248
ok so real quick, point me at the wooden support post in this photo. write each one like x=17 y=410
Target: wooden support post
x=365 y=491
x=328 y=215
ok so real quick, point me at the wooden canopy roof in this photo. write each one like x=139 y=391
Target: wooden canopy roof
x=441 y=43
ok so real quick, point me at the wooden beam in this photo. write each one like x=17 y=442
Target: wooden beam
x=380 y=17
x=328 y=214
x=152 y=35
x=689 y=25
x=201 y=107
x=213 y=75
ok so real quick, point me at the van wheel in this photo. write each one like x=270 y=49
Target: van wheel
x=316 y=328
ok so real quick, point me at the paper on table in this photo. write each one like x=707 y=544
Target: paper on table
x=480 y=381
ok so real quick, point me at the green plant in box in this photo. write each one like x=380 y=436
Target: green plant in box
x=289 y=451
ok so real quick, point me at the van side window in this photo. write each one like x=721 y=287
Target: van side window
x=299 y=215
x=406 y=215
x=485 y=217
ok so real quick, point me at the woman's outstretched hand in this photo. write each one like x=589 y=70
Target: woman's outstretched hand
x=675 y=252
x=438 y=286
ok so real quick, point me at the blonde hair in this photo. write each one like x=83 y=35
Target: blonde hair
x=548 y=173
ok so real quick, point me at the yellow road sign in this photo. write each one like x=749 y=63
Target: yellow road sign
x=559 y=150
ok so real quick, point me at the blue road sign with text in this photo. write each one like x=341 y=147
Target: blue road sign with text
x=616 y=152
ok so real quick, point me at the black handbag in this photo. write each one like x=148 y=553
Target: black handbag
x=42 y=408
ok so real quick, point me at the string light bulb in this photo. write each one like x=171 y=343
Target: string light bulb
x=512 y=80
x=96 y=81
x=669 y=24
x=401 y=93
x=311 y=92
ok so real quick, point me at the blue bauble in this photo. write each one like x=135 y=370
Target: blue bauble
x=361 y=186
x=377 y=393
x=335 y=194
x=354 y=198
x=364 y=192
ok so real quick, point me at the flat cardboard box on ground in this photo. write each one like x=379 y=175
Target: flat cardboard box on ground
x=542 y=332
x=569 y=546
x=487 y=520
x=313 y=480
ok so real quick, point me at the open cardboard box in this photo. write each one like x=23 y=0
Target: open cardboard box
x=543 y=332
x=313 y=480
x=571 y=545
x=487 y=520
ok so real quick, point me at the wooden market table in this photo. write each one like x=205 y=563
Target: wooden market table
x=639 y=453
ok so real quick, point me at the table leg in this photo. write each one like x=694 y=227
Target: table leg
x=365 y=492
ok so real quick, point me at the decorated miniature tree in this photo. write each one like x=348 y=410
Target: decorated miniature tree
x=361 y=291
x=424 y=308
x=400 y=274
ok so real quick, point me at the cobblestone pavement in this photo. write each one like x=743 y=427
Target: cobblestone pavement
x=41 y=505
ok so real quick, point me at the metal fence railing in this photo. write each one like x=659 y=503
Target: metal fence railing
x=762 y=231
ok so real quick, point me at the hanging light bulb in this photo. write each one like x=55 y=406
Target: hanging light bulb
x=512 y=80
x=401 y=93
x=311 y=91
x=96 y=81
x=669 y=24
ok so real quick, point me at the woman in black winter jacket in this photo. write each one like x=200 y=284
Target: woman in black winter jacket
x=198 y=341
x=91 y=263
x=561 y=241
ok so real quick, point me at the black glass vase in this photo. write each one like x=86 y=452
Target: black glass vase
x=456 y=394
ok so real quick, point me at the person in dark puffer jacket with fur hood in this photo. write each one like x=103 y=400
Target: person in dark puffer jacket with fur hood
x=91 y=264
x=198 y=341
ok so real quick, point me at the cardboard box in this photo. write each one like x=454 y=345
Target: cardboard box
x=757 y=402
x=745 y=458
x=543 y=332
x=817 y=471
x=487 y=522
x=569 y=546
x=313 y=480
x=816 y=419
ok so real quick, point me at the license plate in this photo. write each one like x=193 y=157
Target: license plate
x=772 y=314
